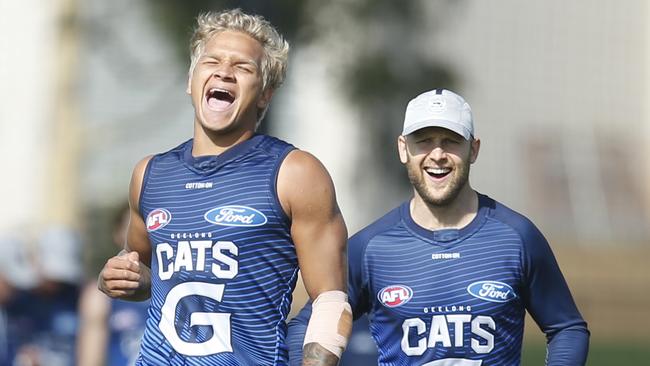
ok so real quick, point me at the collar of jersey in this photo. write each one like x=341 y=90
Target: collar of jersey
x=209 y=163
x=447 y=235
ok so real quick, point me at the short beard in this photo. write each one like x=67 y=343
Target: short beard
x=455 y=186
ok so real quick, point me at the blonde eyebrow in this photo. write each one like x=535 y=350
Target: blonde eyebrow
x=236 y=60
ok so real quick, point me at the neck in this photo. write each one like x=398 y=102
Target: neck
x=457 y=214
x=211 y=143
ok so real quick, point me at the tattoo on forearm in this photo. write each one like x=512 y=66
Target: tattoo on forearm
x=313 y=354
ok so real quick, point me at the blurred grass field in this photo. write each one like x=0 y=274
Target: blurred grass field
x=611 y=286
x=607 y=354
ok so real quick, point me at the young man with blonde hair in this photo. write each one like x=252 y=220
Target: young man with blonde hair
x=225 y=219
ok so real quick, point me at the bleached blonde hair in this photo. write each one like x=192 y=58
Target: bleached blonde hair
x=276 y=48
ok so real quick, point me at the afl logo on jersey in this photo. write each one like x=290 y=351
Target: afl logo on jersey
x=235 y=216
x=493 y=291
x=158 y=218
x=395 y=295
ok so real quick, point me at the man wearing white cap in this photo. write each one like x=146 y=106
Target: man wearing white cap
x=447 y=277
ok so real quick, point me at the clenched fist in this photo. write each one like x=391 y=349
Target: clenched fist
x=125 y=277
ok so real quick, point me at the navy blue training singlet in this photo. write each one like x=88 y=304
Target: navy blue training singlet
x=223 y=263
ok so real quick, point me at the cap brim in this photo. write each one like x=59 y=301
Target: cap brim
x=450 y=125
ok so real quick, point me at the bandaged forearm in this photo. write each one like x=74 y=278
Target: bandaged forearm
x=330 y=323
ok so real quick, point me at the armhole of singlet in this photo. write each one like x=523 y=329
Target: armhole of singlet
x=145 y=178
x=276 y=199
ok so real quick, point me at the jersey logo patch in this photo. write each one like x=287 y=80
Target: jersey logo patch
x=395 y=295
x=235 y=216
x=493 y=291
x=158 y=218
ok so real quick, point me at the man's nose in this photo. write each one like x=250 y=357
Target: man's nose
x=224 y=72
x=437 y=153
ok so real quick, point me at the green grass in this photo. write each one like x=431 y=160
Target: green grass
x=599 y=355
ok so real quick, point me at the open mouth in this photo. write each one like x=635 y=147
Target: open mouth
x=219 y=99
x=438 y=173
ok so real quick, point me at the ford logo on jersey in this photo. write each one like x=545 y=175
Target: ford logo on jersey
x=158 y=218
x=235 y=216
x=493 y=291
x=395 y=295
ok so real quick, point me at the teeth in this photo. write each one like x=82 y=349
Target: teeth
x=218 y=90
x=438 y=170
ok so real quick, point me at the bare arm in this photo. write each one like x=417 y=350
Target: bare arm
x=127 y=275
x=307 y=194
x=93 y=332
x=318 y=230
x=313 y=354
x=137 y=238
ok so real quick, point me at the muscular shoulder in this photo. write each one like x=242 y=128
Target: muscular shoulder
x=303 y=180
x=301 y=165
x=141 y=166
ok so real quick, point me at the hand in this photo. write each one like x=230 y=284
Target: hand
x=121 y=276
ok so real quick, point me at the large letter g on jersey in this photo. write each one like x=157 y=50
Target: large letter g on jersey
x=220 y=322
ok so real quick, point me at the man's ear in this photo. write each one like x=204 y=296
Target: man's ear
x=265 y=99
x=402 y=149
x=475 y=146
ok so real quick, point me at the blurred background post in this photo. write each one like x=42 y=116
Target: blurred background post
x=560 y=91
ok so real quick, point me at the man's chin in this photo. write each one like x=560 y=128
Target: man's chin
x=440 y=198
x=438 y=201
x=219 y=125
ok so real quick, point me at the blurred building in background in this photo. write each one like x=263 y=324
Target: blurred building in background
x=29 y=74
x=560 y=95
x=559 y=90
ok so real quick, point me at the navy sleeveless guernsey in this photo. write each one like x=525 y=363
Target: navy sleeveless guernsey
x=223 y=264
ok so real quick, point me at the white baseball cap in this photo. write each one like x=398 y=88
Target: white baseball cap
x=439 y=108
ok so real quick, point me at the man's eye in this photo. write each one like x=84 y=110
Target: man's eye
x=245 y=68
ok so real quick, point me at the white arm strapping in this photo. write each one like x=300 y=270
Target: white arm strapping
x=330 y=322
